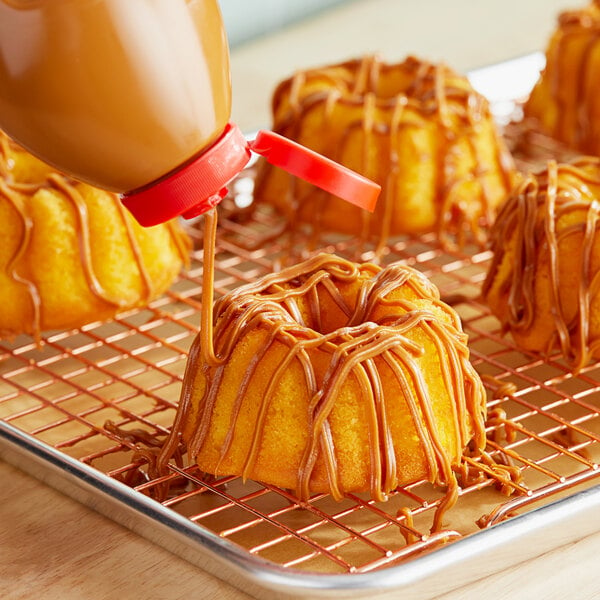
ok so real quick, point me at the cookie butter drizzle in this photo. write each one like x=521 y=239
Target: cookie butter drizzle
x=19 y=197
x=530 y=217
x=438 y=95
x=581 y=98
x=271 y=304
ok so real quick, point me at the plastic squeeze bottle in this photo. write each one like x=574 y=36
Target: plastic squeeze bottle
x=134 y=96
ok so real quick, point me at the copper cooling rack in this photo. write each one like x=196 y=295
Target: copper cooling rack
x=78 y=408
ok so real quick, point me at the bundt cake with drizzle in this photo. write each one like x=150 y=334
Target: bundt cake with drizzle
x=70 y=253
x=332 y=376
x=542 y=283
x=416 y=128
x=564 y=103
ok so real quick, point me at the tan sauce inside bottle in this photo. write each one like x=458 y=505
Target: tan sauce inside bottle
x=113 y=93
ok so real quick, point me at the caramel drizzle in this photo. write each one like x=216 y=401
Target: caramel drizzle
x=408 y=531
x=437 y=93
x=580 y=99
x=530 y=218
x=18 y=202
x=272 y=304
x=208 y=280
x=500 y=389
x=19 y=197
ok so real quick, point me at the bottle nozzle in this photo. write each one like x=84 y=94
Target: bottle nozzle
x=201 y=184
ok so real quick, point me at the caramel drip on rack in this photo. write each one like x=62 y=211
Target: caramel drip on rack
x=530 y=218
x=19 y=197
x=408 y=531
x=500 y=389
x=436 y=93
x=275 y=304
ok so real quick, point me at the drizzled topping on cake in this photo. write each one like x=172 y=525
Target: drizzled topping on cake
x=564 y=102
x=379 y=332
x=545 y=211
x=19 y=190
x=377 y=107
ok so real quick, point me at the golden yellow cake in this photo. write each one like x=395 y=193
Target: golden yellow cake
x=332 y=376
x=565 y=102
x=543 y=280
x=418 y=129
x=71 y=254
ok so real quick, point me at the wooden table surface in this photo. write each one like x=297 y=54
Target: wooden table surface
x=52 y=547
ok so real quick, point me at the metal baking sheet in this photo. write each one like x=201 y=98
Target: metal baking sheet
x=56 y=400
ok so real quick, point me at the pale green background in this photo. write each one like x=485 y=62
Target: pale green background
x=248 y=19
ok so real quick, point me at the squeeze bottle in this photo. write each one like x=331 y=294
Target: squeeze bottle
x=134 y=96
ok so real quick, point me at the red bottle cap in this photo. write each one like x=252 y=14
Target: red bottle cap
x=201 y=184
x=196 y=186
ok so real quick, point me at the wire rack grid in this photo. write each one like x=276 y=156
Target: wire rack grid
x=105 y=396
x=101 y=393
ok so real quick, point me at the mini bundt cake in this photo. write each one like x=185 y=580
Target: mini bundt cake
x=70 y=253
x=565 y=102
x=418 y=129
x=332 y=376
x=542 y=283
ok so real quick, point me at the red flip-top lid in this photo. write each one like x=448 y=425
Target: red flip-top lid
x=316 y=169
x=200 y=184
